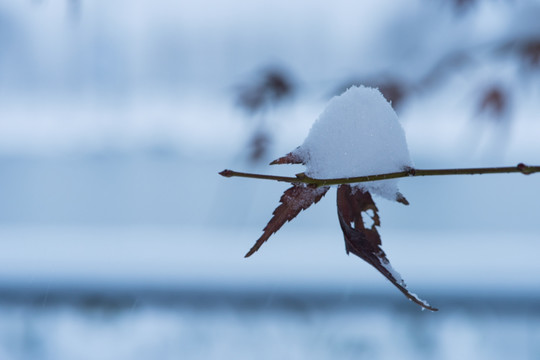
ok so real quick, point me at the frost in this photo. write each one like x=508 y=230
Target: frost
x=357 y=134
x=386 y=264
x=424 y=302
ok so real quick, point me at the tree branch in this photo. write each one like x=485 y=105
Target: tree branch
x=409 y=172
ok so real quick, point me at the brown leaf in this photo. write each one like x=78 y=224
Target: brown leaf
x=494 y=102
x=531 y=52
x=364 y=241
x=259 y=144
x=401 y=199
x=291 y=158
x=295 y=199
x=267 y=88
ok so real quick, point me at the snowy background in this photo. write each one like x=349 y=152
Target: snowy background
x=119 y=240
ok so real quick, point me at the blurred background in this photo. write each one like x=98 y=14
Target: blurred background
x=118 y=238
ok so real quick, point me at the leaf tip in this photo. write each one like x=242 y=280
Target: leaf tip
x=290 y=158
x=429 y=307
x=401 y=199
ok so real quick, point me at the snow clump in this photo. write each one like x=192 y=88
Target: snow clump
x=357 y=134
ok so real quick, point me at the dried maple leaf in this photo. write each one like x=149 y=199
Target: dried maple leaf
x=290 y=158
x=365 y=242
x=295 y=199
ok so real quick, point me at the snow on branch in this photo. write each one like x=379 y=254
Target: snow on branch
x=358 y=144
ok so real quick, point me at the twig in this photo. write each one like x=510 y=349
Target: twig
x=303 y=178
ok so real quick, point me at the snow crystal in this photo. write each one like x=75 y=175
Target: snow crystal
x=357 y=134
x=386 y=264
x=426 y=304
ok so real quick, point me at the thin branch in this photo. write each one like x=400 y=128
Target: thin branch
x=409 y=172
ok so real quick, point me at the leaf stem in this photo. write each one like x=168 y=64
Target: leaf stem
x=408 y=172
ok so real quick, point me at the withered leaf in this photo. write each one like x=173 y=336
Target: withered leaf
x=295 y=199
x=365 y=242
x=401 y=199
x=531 y=52
x=267 y=88
x=259 y=144
x=290 y=158
x=494 y=102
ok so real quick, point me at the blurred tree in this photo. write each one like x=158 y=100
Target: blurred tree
x=267 y=89
x=516 y=50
